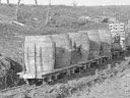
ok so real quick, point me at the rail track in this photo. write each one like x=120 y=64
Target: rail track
x=55 y=75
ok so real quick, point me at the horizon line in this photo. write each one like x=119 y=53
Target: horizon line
x=68 y=5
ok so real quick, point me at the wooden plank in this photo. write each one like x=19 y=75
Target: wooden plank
x=28 y=63
x=72 y=66
x=41 y=59
x=35 y=60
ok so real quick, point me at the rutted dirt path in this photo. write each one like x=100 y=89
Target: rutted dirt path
x=94 y=86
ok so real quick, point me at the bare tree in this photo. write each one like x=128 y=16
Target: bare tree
x=74 y=4
x=17 y=9
x=36 y=3
x=8 y=2
x=48 y=16
x=0 y=2
x=50 y=3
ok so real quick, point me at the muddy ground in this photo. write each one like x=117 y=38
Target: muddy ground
x=117 y=87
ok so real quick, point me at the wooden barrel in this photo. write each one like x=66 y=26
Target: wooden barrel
x=95 y=43
x=63 y=50
x=106 y=41
x=39 y=55
x=80 y=44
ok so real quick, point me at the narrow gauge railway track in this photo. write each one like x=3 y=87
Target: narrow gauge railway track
x=54 y=75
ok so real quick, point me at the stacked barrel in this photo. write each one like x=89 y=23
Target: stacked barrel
x=39 y=55
x=63 y=50
x=95 y=44
x=80 y=47
x=106 y=41
x=43 y=54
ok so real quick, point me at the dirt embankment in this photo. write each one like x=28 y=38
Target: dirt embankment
x=8 y=70
x=114 y=87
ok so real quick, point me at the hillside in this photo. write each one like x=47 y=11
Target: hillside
x=65 y=20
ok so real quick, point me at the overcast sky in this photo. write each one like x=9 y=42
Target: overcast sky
x=79 y=2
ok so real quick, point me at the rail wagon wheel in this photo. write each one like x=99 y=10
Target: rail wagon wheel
x=49 y=79
x=39 y=82
x=30 y=81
